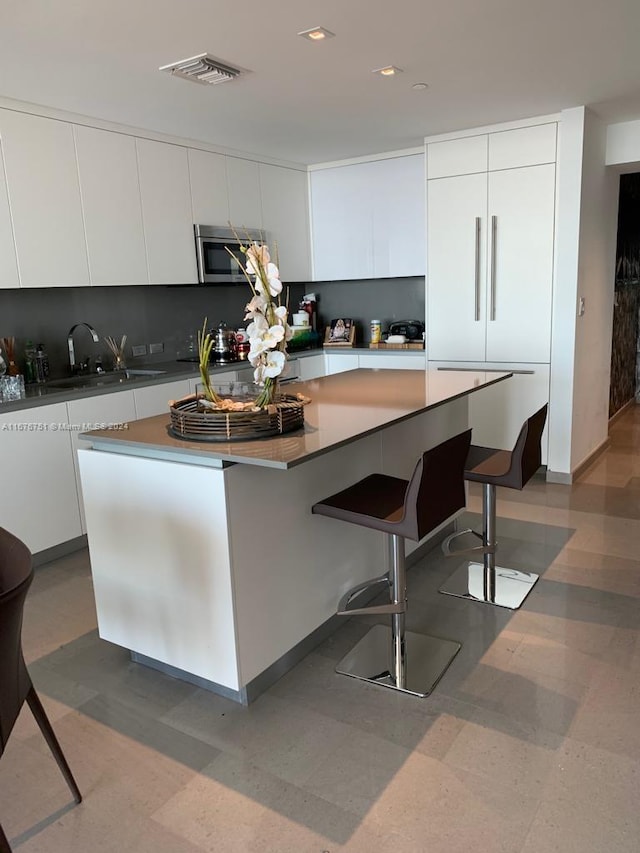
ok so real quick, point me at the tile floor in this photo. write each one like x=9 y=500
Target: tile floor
x=531 y=742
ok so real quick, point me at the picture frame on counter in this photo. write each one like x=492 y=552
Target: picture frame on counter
x=341 y=332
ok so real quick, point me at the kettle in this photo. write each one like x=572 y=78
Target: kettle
x=225 y=347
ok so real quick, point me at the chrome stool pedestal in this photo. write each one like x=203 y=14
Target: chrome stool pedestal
x=392 y=657
x=484 y=581
x=402 y=509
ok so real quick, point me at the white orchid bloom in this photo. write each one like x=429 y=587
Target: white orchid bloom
x=273 y=336
x=258 y=374
x=257 y=327
x=255 y=307
x=257 y=346
x=275 y=286
x=272 y=271
x=258 y=254
x=275 y=363
x=281 y=313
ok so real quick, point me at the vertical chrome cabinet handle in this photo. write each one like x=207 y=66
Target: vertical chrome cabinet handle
x=477 y=281
x=494 y=230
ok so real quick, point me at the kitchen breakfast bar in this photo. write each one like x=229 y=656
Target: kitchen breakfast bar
x=206 y=560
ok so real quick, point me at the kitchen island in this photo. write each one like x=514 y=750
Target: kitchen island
x=206 y=560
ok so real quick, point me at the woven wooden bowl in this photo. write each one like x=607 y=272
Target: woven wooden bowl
x=284 y=415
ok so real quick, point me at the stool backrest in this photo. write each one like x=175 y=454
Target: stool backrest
x=526 y=456
x=436 y=489
x=16 y=575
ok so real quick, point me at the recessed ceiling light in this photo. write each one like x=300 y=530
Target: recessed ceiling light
x=316 y=34
x=420 y=86
x=387 y=71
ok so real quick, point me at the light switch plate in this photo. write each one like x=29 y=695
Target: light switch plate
x=155 y=348
x=141 y=349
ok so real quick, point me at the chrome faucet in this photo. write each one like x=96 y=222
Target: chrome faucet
x=72 y=356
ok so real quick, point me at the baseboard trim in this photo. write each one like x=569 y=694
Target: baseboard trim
x=565 y=479
x=621 y=411
x=57 y=551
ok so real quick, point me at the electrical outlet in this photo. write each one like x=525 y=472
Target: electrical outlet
x=141 y=349
x=155 y=348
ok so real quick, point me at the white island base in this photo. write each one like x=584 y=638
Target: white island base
x=218 y=573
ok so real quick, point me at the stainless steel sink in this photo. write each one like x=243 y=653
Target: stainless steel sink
x=102 y=380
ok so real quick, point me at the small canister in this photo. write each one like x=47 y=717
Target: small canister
x=376 y=331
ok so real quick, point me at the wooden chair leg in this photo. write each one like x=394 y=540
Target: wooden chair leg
x=45 y=727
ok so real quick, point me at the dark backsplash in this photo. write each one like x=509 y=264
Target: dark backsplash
x=159 y=314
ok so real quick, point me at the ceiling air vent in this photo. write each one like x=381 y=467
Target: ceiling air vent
x=203 y=69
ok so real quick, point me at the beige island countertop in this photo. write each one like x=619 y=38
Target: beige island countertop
x=344 y=408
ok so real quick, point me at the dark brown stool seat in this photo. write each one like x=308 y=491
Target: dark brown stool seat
x=511 y=469
x=16 y=687
x=402 y=509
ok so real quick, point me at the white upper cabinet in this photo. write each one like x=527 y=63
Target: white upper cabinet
x=398 y=207
x=209 y=193
x=8 y=260
x=166 y=212
x=368 y=219
x=504 y=149
x=490 y=239
x=464 y=156
x=523 y=146
x=44 y=197
x=111 y=205
x=285 y=219
x=342 y=222
x=245 y=204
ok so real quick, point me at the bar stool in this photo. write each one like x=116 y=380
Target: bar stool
x=402 y=509
x=16 y=686
x=486 y=582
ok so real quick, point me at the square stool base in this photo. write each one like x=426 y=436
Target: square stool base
x=427 y=659
x=511 y=587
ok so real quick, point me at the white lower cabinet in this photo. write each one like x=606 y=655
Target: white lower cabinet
x=39 y=501
x=497 y=413
x=154 y=399
x=339 y=362
x=107 y=411
x=393 y=362
x=312 y=367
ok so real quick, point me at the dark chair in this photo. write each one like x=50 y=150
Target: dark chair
x=16 y=575
x=402 y=509
x=511 y=469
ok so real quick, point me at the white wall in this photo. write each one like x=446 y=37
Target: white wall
x=596 y=274
x=585 y=265
x=623 y=145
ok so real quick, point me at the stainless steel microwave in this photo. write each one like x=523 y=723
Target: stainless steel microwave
x=215 y=264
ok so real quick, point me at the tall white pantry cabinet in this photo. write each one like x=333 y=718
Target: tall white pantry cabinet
x=490 y=243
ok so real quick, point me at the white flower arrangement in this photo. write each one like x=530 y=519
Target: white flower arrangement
x=268 y=330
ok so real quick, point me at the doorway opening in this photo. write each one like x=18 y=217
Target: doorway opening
x=625 y=350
